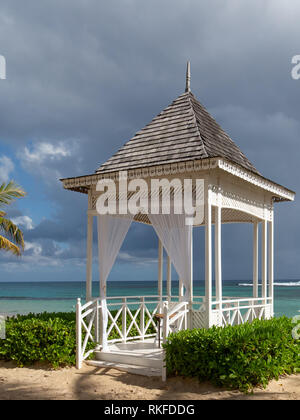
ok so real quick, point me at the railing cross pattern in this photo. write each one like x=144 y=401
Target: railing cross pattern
x=133 y=322
x=88 y=332
x=151 y=318
x=114 y=322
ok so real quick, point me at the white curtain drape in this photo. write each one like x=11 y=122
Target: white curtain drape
x=111 y=234
x=176 y=237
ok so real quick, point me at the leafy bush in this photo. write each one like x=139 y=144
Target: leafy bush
x=44 y=337
x=240 y=357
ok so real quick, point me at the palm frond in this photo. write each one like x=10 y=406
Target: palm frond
x=9 y=192
x=7 y=245
x=13 y=241
x=12 y=231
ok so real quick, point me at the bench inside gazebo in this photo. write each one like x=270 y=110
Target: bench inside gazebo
x=182 y=143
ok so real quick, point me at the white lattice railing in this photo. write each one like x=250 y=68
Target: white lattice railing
x=129 y=318
x=133 y=317
x=198 y=302
x=236 y=311
x=87 y=317
x=175 y=317
x=132 y=313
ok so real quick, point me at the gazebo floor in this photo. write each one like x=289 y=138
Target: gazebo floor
x=139 y=357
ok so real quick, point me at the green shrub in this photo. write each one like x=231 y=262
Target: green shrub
x=45 y=316
x=240 y=357
x=40 y=338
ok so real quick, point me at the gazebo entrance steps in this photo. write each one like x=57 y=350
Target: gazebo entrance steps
x=140 y=358
x=135 y=370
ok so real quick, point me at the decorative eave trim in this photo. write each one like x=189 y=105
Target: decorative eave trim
x=87 y=181
x=84 y=183
x=255 y=207
x=280 y=192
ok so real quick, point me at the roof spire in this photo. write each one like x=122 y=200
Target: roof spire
x=188 y=77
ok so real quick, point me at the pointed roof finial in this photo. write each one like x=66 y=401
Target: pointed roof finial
x=188 y=77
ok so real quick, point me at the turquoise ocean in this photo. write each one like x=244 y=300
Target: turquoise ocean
x=38 y=297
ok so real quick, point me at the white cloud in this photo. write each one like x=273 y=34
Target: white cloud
x=44 y=151
x=37 y=254
x=6 y=167
x=35 y=248
x=48 y=159
x=24 y=221
x=130 y=258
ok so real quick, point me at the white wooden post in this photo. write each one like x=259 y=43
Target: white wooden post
x=124 y=321
x=100 y=325
x=142 y=318
x=89 y=259
x=255 y=258
x=190 y=318
x=78 y=335
x=191 y=273
x=218 y=255
x=169 y=278
x=190 y=306
x=271 y=263
x=208 y=257
x=102 y=291
x=165 y=335
x=97 y=323
x=181 y=290
x=166 y=322
x=264 y=258
x=160 y=271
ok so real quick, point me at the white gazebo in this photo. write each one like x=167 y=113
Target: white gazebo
x=182 y=142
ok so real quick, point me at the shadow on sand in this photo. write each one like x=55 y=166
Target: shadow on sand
x=39 y=382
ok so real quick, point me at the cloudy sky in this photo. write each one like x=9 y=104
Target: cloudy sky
x=84 y=75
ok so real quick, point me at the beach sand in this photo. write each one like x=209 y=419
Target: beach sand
x=92 y=383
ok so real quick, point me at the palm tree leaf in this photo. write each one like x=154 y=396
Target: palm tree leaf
x=9 y=192
x=7 y=245
x=12 y=231
x=13 y=240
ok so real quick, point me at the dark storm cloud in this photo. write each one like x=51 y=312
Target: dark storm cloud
x=87 y=75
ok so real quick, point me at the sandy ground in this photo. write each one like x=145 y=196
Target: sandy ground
x=109 y=384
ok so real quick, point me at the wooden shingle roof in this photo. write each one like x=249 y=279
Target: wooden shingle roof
x=181 y=132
